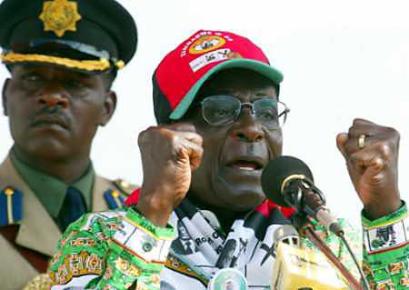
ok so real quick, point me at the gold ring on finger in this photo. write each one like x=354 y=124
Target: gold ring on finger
x=361 y=141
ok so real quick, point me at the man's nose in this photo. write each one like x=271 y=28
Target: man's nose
x=52 y=97
x=247 y=128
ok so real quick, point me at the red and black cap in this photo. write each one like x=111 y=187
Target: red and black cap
x=182 y=72
x=87 y=35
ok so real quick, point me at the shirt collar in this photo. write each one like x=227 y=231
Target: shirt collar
x=50 y=190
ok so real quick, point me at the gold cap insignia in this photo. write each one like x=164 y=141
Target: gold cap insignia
x=206 y=43
x=60 y=16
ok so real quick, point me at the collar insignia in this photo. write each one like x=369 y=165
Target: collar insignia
x=60 y=16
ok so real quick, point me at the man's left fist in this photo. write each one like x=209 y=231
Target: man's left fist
x=371 y=153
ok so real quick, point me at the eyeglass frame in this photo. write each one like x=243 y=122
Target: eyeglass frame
x=248 y=105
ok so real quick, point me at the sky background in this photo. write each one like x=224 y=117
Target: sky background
x=340 y=60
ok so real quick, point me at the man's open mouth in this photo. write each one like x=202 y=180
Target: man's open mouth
x=246 y=164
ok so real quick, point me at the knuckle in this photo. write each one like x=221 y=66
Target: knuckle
x=357 y=122
x=351 y=130
x=174 y=139
x=141 y=138
x=144 y=135
x=199 y=139
x=165 y=134
x=384 y=149
x=379 y=163
x=394 y=133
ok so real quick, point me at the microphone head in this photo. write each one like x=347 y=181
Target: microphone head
x=277 y=171
x=286 y=234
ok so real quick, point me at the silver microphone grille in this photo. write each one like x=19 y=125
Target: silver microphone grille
x=286 y=234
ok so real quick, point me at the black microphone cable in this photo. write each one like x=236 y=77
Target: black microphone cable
x=361 y=273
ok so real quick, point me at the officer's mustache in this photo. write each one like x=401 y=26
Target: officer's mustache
x=51 y=114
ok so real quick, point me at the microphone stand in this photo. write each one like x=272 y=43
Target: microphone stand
x=302 y=222
x=310 y=233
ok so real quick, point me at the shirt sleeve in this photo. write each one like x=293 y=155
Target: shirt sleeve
x=112 y=250
x=386 y=250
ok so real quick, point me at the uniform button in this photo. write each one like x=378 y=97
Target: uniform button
x=9 y=191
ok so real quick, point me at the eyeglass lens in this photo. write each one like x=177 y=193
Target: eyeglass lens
x=223 y=109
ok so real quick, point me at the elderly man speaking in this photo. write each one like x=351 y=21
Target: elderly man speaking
x=217 y=104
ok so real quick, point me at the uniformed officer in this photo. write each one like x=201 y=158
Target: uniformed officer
x=63 y=56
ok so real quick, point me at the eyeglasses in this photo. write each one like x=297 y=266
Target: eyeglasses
x=220 y=110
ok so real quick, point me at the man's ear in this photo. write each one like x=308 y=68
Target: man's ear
x=109 y=107
x=4 y=96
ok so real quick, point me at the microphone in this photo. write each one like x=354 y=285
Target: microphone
x=288 y=181
x=301 y=268
x=286 y=234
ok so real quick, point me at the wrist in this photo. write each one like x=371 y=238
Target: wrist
x=380 y=209
x=145 y=244
x=154 y=210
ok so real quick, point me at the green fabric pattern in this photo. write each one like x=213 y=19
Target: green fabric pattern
x=388 y=269
x=336 y=245
x=88 y=248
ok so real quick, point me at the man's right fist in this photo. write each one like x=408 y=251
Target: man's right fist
x=169 y=155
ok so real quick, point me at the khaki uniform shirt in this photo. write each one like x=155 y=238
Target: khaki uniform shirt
x=37 y=229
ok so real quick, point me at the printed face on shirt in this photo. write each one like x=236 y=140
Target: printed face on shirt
x=234 y=153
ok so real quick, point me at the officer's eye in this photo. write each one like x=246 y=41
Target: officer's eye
x=30 y=81
x=31 y=77
x=75 y=84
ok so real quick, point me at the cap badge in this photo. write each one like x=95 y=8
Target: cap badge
x=60 y=16
x=206 y=43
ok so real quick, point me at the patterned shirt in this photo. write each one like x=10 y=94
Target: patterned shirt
x=122 y=249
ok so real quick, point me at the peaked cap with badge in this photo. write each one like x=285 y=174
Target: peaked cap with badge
x=89 y=36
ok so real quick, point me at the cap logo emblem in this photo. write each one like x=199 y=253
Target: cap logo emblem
x=60 y=16
x=206 y=43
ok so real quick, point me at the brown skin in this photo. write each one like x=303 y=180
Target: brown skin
x=175 y=150
x=169 y=155
x=54 y=114
x=374 y=168
x=220 y=184
x=171 y=152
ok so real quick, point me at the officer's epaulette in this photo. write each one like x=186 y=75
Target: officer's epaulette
x=11 y=206
x=124 y=187
x=115 y=198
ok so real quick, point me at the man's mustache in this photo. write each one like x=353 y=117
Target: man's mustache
x=53 y=114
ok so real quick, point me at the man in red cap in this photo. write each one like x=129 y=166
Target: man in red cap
x=220 y=117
